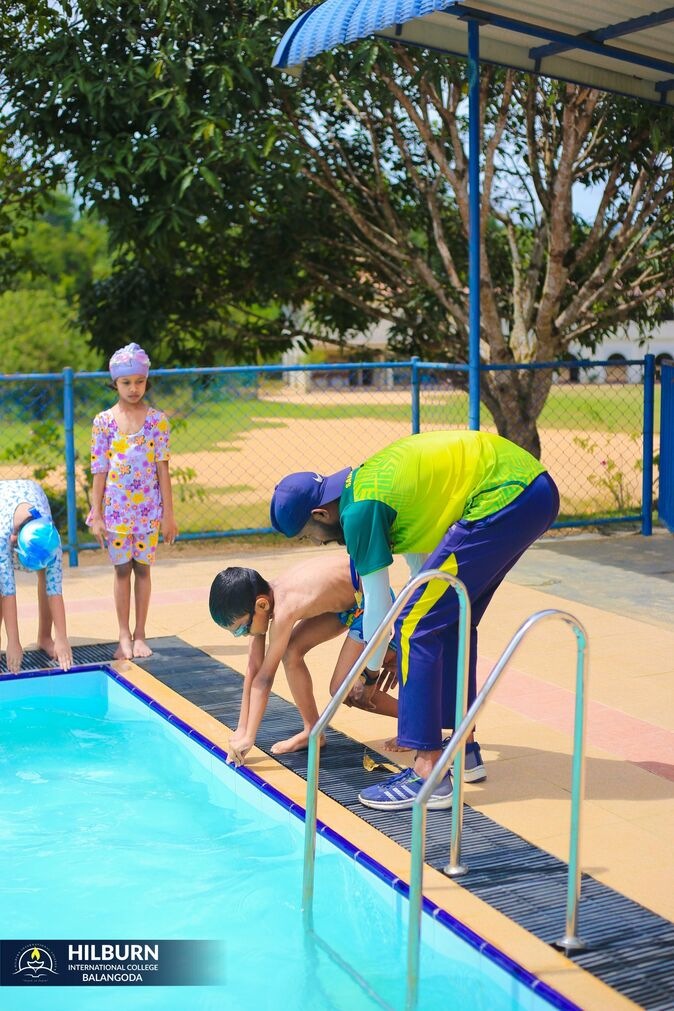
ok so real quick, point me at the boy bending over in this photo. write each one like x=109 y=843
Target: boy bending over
x=309 y=604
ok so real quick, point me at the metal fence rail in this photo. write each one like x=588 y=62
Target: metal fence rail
x=236 y=430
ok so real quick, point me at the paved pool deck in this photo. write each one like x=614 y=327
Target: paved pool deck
x=621 y=587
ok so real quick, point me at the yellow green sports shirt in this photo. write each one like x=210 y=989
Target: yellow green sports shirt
x=404 y=498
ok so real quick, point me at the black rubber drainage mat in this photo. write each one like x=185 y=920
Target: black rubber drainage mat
x=630 y=948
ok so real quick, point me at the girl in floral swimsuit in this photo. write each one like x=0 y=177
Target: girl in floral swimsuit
x=131 y=493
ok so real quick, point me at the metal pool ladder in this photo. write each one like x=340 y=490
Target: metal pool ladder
x=570 y=940
x=455 y=752
x=339 y=696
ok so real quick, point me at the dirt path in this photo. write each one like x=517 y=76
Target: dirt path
x=596 y=469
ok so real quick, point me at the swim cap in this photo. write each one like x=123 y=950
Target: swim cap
x=129 y=361
x=37 y=543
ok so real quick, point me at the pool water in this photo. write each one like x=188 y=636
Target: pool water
x=114 y=824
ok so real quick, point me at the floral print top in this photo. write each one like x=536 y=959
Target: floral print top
x=132 y=503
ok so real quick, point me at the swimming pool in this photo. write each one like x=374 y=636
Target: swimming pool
x=114 y=823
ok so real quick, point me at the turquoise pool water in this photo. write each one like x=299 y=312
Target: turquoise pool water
x=114 y=824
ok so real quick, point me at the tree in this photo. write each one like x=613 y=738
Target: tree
x=19 y=192
x=157 y=115
x=54 y=255
x=388 y=149
x=38 y=333
x=235 y=199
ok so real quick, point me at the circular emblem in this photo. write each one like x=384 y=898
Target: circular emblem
x=34 y=963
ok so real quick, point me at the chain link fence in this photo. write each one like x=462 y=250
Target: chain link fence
x=236 y=431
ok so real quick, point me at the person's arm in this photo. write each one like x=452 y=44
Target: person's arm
x=260 y=689
x=62 y=651
x=97 y=522
x=415 y=563
x=255 y=658
x=14 y=651
x=162 y=437
x=376 y=604
x=100 y=446
x=169 y=528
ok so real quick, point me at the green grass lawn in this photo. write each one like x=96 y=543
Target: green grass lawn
x=598 y=408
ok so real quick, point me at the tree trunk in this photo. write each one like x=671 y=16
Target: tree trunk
x=515 y=400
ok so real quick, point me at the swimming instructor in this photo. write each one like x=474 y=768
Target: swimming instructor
x=469 y=503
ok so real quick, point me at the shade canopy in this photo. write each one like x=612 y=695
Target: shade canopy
x=624 y=46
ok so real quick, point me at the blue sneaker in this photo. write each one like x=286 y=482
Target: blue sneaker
x=473 y=770
x=400 y=791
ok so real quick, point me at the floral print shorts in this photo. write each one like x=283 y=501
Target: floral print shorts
x=123 y=548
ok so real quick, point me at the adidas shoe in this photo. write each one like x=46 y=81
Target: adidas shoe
x=473 y=770
x=399 y=792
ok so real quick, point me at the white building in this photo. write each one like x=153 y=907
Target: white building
x=623 y=348
x=618 y=350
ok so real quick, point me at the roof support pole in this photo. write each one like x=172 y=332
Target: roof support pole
x=473 y=225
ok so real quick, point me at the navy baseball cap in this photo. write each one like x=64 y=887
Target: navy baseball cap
x=297 y=494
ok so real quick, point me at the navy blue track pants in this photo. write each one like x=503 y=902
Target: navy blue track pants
x=479 y=553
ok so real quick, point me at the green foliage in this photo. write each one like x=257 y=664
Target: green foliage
x=38 y=333
x=55 y=254
x=19 y=187
x=42 y=448
x=157 y=113
x=184 y=478
x=611 y=477
x=62 y=250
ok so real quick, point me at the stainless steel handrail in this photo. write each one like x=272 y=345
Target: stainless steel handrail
x=570 y=941
x=341 y=693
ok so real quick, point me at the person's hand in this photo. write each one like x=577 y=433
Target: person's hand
x=14 y=657
x=63 y=654
x=362 y=692
x=237 y=749
x=99 y=531
x=389 y=671
x=169 y=529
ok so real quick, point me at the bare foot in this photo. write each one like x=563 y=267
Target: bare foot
x=125 y=649
x=392 y=745
x=141 y=648
x=297 y=743
x=47 y=646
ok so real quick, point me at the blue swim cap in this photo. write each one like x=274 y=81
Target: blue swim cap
x=37 y=544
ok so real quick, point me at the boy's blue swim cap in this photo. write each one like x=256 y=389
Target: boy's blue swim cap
x=37 y=544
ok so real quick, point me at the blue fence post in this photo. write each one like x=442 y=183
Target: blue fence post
x=647 y=473
x=474 y=243
x=415 y=396
x=666 y=469
x=69 y=438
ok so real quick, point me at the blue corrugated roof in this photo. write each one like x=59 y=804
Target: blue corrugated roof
x=625 y=46
x=341 y=21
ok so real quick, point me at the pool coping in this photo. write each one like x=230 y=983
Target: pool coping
x=535 y=964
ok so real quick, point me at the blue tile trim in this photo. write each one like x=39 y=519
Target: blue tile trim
x=55 y=672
